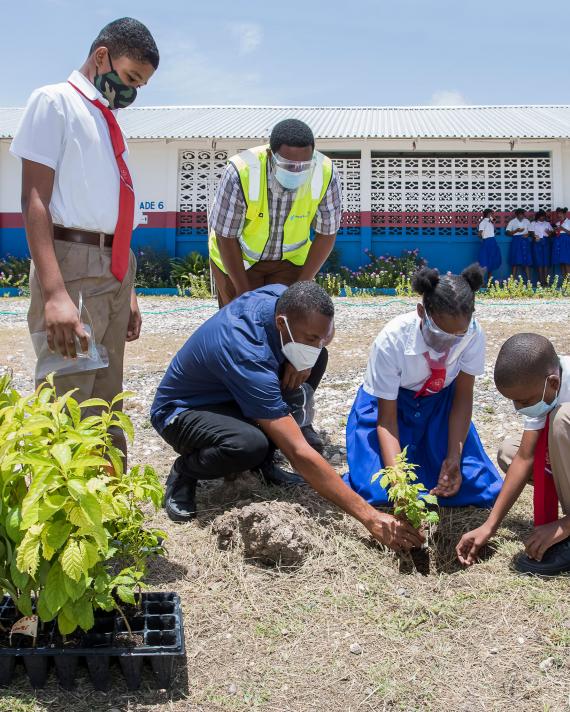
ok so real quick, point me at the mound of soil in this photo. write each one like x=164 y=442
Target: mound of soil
x=270 y=532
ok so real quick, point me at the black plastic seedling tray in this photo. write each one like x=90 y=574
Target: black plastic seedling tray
x=158 y=623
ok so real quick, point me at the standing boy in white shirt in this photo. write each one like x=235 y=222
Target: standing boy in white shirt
x=79 y=208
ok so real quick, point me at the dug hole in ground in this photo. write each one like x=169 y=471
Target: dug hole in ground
x=337 y=626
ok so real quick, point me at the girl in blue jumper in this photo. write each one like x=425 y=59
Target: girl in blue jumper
x=418 y=393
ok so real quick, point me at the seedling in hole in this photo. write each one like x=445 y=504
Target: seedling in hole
x=410 y=500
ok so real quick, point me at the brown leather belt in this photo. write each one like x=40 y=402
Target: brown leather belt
x=84 y=237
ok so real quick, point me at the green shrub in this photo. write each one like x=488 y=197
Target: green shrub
x=153 y=269
x=15 y=272
x=67 y=508
x=512 y=288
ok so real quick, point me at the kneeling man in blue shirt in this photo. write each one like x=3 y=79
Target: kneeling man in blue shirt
x=221 y=404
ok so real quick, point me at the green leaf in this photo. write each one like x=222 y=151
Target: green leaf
x=30 y=514
x=65 y=620
x=28 y=556
x=50 y=505
x=430 y=498
x=62 y=454
x=104 y=600
x=56 y=534
x=12 y=523
x=126 y=595
x=74 y=411
x=91 y=461
x=75 y=589
x=116 y=456
x=125 y=423
x=19 y=578
x=94 y=403
x=77 y=488
x=122 y=396
x=91 y=508
x=43 y=610
x=24 y=603
x=91 y=553
x=72 y=560
x=95 y=484
x=83 y=613
x=78 y=517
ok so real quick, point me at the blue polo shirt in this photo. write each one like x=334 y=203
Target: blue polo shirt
x=234 y=356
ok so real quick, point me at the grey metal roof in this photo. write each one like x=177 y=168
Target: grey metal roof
x=254 y=122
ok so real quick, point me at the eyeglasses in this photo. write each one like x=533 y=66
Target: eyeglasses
x=292 y=166
x=440 y=332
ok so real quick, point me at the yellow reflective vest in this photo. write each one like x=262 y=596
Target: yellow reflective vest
x=252 y=169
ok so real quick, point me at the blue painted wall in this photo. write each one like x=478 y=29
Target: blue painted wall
x=443 y=251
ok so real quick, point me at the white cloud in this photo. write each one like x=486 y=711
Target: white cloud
x=447 y=97
x=190 y=76
x=249 y=36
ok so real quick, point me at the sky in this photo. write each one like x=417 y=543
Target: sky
x=306 y=52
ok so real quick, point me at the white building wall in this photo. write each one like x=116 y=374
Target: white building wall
x=10 y=180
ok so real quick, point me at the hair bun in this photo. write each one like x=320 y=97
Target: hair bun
x=474 y=276
x=425 y=280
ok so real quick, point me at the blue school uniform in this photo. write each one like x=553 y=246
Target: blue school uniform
x=489 y=252
x=521 y=251
x=561 y=247
x=423 y=422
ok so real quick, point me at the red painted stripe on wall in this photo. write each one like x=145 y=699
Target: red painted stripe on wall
x=198 y=220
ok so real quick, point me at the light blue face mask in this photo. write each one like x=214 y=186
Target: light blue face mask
x=540 y=409
x=290 y=180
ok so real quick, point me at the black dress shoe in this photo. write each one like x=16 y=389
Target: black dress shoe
x=313 y=438
x=180 y=495
x=275 y=475
x=555 y=561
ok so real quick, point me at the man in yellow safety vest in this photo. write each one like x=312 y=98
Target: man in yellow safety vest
x=267 y=202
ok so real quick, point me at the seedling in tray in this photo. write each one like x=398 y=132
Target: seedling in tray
x=68 y=512
x=411 y=499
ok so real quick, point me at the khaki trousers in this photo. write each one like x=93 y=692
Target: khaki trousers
x=558 y=449
x=261 y=274
x=87 y=268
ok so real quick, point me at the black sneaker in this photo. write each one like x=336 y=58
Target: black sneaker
x=275 y=475
x=313 y=438
x=555 y=561
x=180 y=495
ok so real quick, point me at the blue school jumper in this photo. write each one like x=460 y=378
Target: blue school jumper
x=490 y=254
x=423 y=428
x=561 y=249
x=541 y=252
x=521 y=253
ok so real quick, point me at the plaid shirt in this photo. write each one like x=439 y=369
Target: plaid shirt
x=227 y=216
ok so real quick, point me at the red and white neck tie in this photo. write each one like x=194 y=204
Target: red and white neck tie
x=545 y=497
x=436 y=379
x=124 y=226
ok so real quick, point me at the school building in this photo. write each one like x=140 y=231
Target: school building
x=413 y=177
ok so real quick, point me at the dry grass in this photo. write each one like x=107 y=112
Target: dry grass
x=279 y=640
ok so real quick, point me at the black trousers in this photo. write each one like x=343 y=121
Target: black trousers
x=218 y=440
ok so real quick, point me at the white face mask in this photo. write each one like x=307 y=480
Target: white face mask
x=300 y=356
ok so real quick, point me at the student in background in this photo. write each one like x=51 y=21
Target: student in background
x=561 y=242
x=540 y=231
x=418 y=393
x=489 y=252
x=521 y=254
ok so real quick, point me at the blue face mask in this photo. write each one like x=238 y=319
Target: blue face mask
x=540 y=409
x=290 y=180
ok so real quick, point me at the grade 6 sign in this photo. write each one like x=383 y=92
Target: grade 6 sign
x=151 y=205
